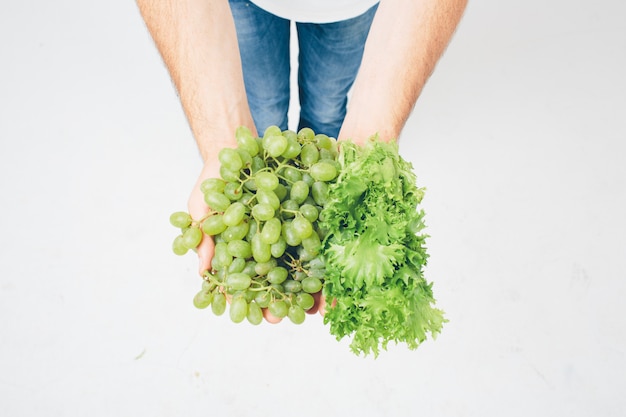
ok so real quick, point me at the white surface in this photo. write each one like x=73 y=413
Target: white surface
x=519 y=138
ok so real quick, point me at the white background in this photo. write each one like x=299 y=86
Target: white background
x=518 y=137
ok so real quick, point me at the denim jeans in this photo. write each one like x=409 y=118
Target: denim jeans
x=328 y=60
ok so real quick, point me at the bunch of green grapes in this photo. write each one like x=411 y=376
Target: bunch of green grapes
x=264 y=217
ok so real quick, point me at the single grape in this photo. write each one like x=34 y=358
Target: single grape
x=323 y=141
x=255 y=314
x=238 y=309
x=257 y=164
x=299 y=191
x=288 y=208
x=221 y=257
x=260 y=251
x=292 y=286
x=306 y=134
x=202 y=299
x=278 y=308
x=234 y=214
x=271 y=231
x=290 y=235
x=268 y=197
x=212 y=184
x=178 y=246
x=309 y=212
x=275 y=145
x=311 y=285
x=213 y=225
x=239 y=249
x=233 y=191
x=263 y=299
x=319 y=190
x=296 y=314
x=236 y=232
x=302 y=227
x=281 y=192
x=309 y=154
x=305 y=300
x=218 y=305
x=291 y=174
x=228 y=174
x=180 y=219
x=278 y=248
x=277 y=275
x=249 y=269
x=192 y=237
x=265 y=180
x=272 y=130
x=230 y=159
x=293 y=149
x=237 y=265
x=238 y=281
x=216 y=201
x=323 y=171
x=263 y=212
x=262 y=268
x=246 y=140
x=312 y=244
x=245 y=156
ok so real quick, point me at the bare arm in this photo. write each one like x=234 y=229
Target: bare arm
x=198 y=43
x=406 y=40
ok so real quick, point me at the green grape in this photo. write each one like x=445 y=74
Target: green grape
x=306 y=255
x=290 y=134
x=263 y=212
x=221 y=257
x=234 y=214
x=262 y=268
x=278 y=248
x=312 y=244
x=281 y=191
x=257 y=164
x=267 y=181
x=277 y=275
x=309 y=212
x=272 y=130
x=202 y=299
x=268 y=197
x=293 y=149
x=296 y=314
x=246 y=140
x=214 y=225
x=192 y=237
x=230 y=159
x=319 y=190
x=323 y=171
x=302 y=227
x=228 y=174
x=292 y=286
x=275 y=145
x=260 y=251
x=278 y=308
x=306 y=177
x=246 y=198
x=250 y=185
x=305 y=300
x=217 y=201
x=311 y=285
x=309 y=154
x=271 y=231
x=245 y=156
x=237 y=265
x=233 y=191
x=238 y=281
x=255 y=314
x=299 y=191
x=263 y=299
x=317 y=273
x=306 y=134
x=291 y=174
x=239 y=249
x=236 y=232
x=323 y=141
x=278 y=288
x=218 y=305
x=299 y=275
x=207 y=285
x=178 y=246
x=288 y=208
x=327 y=155
x=249 y=269
x=317 y=263
x=289 y=234
x=252 y=230
x=212 y=184
x=181 y=219
x=249 y=295
x=238 y=309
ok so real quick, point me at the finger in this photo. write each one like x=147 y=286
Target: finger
x=270 y=318
x=205 y=252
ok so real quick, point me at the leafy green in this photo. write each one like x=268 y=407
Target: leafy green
x=375 y=253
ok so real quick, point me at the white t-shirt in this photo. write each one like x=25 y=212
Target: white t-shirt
x=316 y=11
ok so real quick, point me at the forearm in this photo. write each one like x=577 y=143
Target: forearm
x=406 y=40
x=198 y=43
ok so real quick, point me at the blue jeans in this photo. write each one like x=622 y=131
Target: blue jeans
x=328 y=60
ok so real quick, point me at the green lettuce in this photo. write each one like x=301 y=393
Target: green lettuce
x=375 y=252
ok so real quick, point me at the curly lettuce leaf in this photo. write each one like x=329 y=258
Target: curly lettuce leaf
x=374 y=252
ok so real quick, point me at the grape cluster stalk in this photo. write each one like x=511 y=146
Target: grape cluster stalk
x=264 y=218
